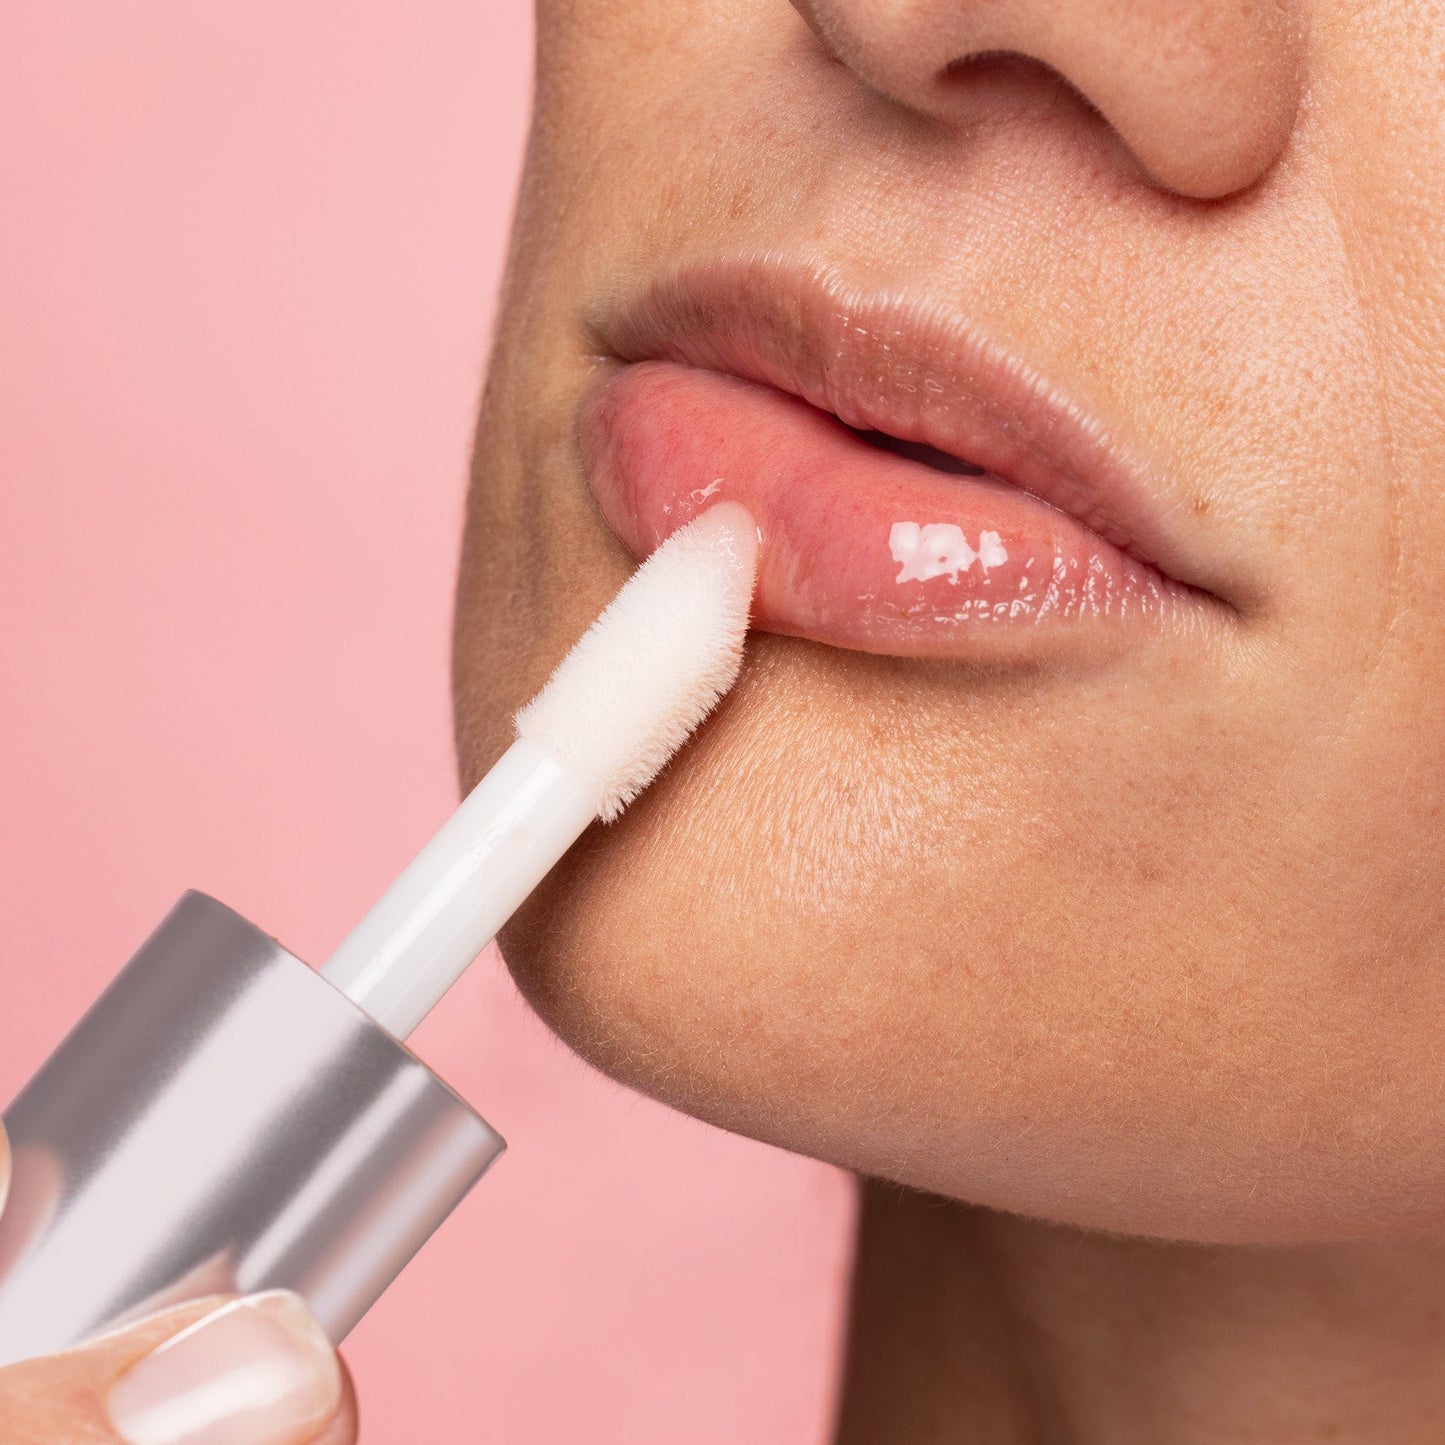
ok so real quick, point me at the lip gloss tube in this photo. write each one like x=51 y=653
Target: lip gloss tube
x=222 y=1120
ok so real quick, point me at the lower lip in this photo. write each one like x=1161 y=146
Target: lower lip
x=860 y=548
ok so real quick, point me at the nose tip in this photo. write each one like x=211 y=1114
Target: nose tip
x=1208 y=110
x=1204 y=93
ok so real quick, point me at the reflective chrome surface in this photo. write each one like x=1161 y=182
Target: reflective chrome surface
x=222 y=1119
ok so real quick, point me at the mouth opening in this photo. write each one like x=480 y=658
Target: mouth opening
x=919 y=452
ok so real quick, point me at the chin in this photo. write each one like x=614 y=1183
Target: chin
x=789 y=942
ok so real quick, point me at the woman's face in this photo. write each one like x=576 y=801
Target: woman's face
x=1072 y=842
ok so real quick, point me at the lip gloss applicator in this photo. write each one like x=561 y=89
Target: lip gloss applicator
x=225 y=1120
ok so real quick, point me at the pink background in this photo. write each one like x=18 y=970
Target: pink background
x=246 y=273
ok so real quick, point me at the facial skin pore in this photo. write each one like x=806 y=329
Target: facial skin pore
x=1107 y=950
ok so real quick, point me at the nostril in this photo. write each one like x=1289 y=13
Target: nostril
x=959 y=67
x=1005 y=64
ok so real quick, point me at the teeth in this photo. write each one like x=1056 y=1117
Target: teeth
x=918 y=452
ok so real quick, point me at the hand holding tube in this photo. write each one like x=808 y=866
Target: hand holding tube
x=250 y=1371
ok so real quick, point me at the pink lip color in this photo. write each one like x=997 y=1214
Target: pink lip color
x=919 y=368
x=860 y=548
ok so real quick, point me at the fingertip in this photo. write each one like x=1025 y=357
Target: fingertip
x=260 y=1366
x=345 y=1427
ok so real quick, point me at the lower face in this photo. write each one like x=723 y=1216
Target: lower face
x=1121 y=910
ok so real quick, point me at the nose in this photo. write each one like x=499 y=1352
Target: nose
x=1203 y=92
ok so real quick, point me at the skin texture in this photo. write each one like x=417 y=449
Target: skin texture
x=1108 y=955
x=62 y=1398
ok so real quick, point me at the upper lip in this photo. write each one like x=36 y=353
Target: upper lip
x=915 y=368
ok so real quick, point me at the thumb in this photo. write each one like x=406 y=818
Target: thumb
x=252 y=1371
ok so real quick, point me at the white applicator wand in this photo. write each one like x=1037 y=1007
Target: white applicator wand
x=223 y=1119
x=618 y=707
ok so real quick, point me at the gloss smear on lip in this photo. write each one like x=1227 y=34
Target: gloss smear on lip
x=860 y=547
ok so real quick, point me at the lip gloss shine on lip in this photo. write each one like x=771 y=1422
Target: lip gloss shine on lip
x=860 y=548
x=920 y=368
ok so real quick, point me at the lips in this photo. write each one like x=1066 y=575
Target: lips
x=753 y=384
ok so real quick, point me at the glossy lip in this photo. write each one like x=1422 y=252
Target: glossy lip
x=729 y=354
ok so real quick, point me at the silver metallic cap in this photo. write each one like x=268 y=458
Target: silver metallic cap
x=222 y=1120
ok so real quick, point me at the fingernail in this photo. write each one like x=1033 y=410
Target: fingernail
x=258 y=1371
